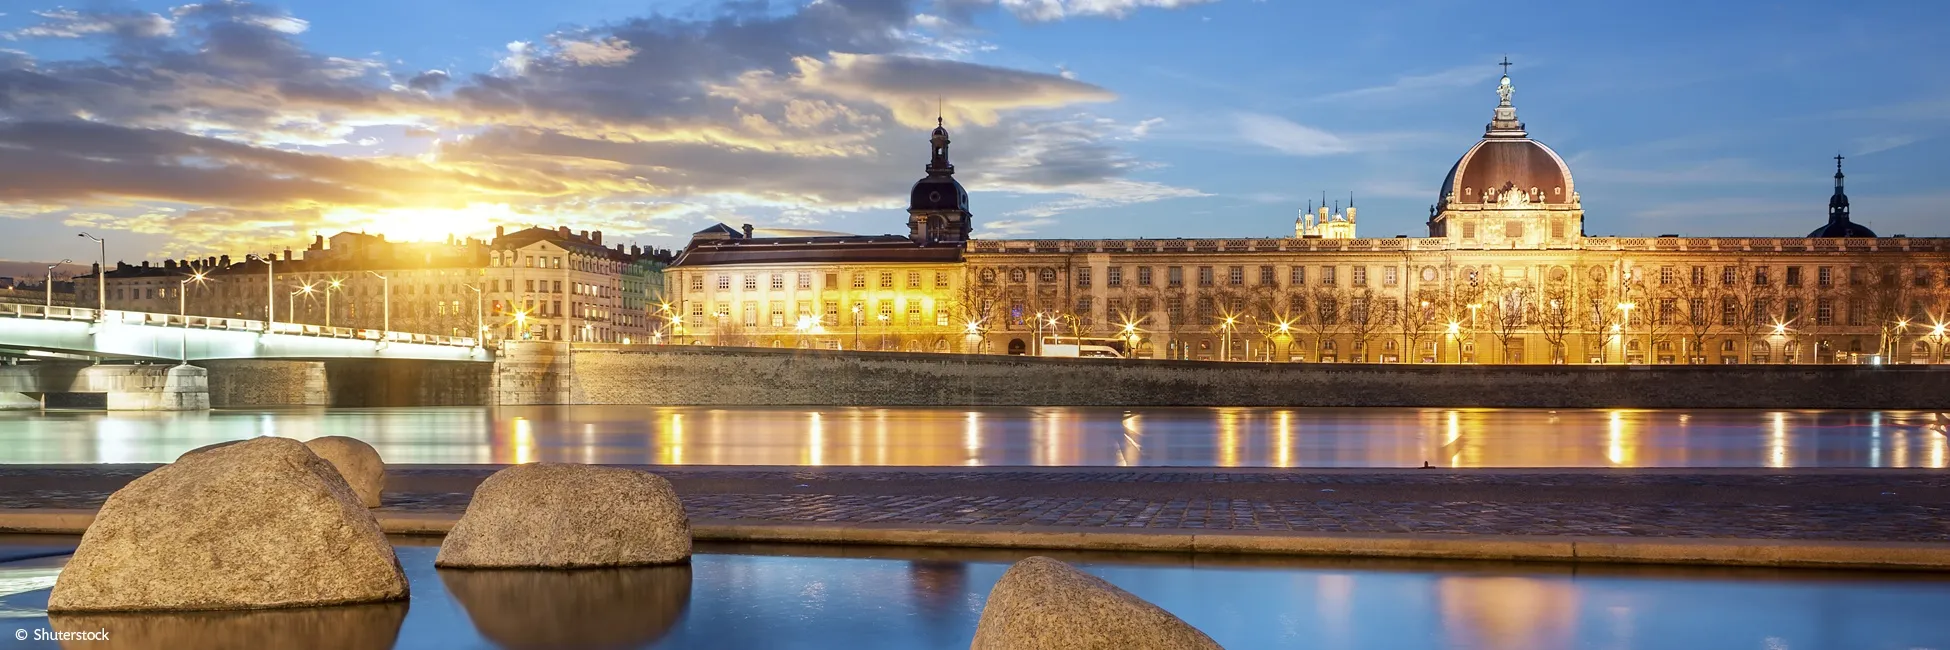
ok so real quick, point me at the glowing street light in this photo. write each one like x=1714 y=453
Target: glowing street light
x=291 y=301
x=330 y=286
x=883 y=330
x=856 y=326
x=101 y=279
x=50 y=283
x=1225 y=328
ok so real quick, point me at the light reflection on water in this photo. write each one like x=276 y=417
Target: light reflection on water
x=1053 y=436
x=932 y=599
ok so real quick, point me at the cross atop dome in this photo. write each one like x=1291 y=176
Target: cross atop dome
x=1504 y=124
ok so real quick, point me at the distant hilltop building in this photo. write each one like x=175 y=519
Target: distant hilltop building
x=1505 y=275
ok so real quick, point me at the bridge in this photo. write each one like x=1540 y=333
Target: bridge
x=138 y=339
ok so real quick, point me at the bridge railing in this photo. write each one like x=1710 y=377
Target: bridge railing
x=230 y=324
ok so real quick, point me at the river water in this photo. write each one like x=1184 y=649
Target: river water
x=1055 y=436
x=908 y=599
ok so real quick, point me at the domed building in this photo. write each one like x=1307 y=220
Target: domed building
x=1838 y=223
x=1507 y=191
x=937 y=209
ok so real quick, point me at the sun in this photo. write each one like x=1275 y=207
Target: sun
x=425 y=223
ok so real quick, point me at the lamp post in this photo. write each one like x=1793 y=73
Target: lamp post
x=1625 y=329
x=385 y=304
x=1455 y=337
x=480 y=322
x=50 y=284
x=101 y=279
x=182 y=290
x=334 y=283
x=883 y=331
x=1225 y=331
x=1889 y=346
x=856 y=326
x=1036 y=325
x=1937 y=333
x=291 y=301
x=521 y=323
x=270 y=291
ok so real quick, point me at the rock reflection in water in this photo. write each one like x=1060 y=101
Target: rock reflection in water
x=587 y=608
x=354 y=627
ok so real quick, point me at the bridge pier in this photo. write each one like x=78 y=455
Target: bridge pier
x=125 y=387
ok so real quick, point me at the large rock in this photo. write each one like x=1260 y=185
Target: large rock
x=551 y=515
x=357 y=462
x=623 y=607
x=372 y=626
x=255 y=524
x=1043 y=604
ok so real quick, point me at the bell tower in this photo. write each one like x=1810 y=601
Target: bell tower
x=937 y=209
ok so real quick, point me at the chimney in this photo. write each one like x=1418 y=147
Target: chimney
x=748 y=231
x=169 y=264
x=634 y=251
x=599 y=237
x=619 y=248
x=500 y=231
x=563 y=230
x=287 y=255
x=145 y=264
x=209 y=261
x=224 y=261
x=318 y=242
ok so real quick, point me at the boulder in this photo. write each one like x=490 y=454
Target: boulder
x=1043 y=604
x=621 y=607
x=256 y=524
x=373 y=626
x=357 y=462
x=552 y=515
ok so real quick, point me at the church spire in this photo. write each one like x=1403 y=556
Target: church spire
x=1838 y=204
x=938 y=164
x=1504 y=124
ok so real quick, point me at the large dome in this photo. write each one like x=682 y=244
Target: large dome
x=1499 y=162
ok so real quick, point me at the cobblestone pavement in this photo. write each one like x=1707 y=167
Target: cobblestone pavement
x=1852 y=505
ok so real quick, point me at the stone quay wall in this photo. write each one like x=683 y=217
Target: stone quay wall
x=557 y=373
x=244 y=383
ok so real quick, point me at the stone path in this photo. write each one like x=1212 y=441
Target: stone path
x=1832 y=505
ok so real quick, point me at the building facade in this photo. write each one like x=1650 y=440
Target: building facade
x=1505 y=275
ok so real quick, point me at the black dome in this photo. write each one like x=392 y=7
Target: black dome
x=1843 y=229
x=938 y=193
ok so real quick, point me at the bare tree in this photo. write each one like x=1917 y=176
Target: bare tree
x=1367 y=315
x=1507 y=310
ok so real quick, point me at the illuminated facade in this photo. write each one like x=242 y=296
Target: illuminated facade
x=1505 y=275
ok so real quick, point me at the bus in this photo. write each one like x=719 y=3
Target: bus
x=1084 y=346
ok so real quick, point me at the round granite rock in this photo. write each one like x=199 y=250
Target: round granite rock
x=552 y=515
x=256 y=524
x=357 y=462
x=1043 y=604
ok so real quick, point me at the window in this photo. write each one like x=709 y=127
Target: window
x=1760 y=276
x=1327 y=276
x=778 y=281
x=1557 y=229
x=1388 y=277
x=886 y=279
x=1083 y=278
x=1267 y=278
x=859 y=279
x=724 y=282
x=1017 y=276
x=1298 y=276
x=1360 y=277
x=831 y=309
x=1699 y=276
x=1666 y=308
x=697 y=283
x=1144 y=306
x=751 y=282
x=1857 y=314
x=1824 y=277
x=1114 y=276
x=1855 y=276
x=913 y=279
x=778 y=313
x=913 y=312
x=1175 y=276
x=832 y=280
x=1825 y=311
x=1236 y=276
x=1046 y=276
x=1729 y=311
x=1469 y=230
x=1920 y=277
x=1665 y=276
x=557 y=287
x=805 y=279
x=940 y=279
x=988 y=276
x=1144 y=276
x=1083 y=309
x=1205 y=276
x=1728 y=274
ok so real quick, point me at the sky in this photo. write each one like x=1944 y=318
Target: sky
x=219 y=127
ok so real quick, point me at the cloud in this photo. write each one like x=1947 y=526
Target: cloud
x=1288 y=137
x=1877 y=144
x=1411 y=86
x=68 y=23
x=1052 y=10
x=227 y=124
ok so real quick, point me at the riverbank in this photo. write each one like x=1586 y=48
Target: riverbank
x=1878 y=519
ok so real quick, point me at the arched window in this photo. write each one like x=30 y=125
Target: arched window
x=1017 y=346
x=1016 y=275
x=1046 y=275
x=988 y=276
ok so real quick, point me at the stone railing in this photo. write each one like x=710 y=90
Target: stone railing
x=1267 y=245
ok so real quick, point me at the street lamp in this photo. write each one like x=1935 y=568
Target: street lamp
x=101 y=279
x=856 y=326
x=270 y=291
x=335 y=283
x=1226 y=330
x=1937 y=333
x=50 y=284
x=883 y=331
x=291 y=301
x=385 y=304
x=480 y=324
x=182 y=290
x=521 y=323
x=1626 y=322
x=1455 y=335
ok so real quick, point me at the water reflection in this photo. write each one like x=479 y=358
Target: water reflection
x=590 y=608
x=1250 y=437
x=352 y=627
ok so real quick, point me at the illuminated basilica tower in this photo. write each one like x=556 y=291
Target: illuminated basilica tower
x=1508 y=191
